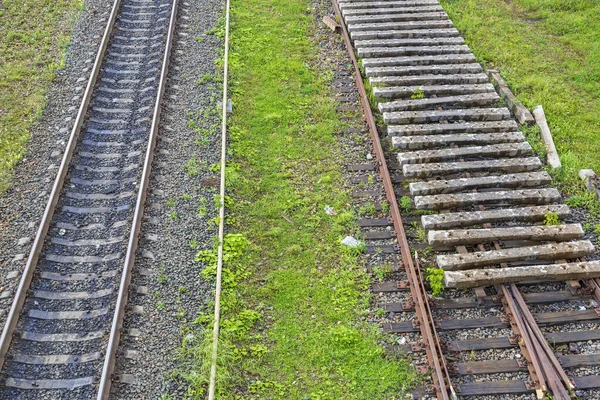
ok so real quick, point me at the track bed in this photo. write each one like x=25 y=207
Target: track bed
x=519 y=314
x=61 y=335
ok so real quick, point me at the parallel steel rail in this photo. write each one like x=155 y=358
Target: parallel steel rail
x=32 y=260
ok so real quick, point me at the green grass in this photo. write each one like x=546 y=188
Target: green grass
x=33 y=37
x=548 y=51
x=294 y=299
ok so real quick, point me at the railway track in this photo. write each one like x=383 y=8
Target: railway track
x=62 y=332
x=520 y=314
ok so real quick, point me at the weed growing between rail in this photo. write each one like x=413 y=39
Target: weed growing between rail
x=33 y=37
x=294 y=300
x=549 y=53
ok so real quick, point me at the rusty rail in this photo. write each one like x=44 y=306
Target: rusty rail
x=443 y=387
x=524 y=342
x=557 y=373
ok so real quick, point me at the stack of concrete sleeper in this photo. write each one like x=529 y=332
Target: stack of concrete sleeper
x=462 y=150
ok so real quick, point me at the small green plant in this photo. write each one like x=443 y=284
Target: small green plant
x=370 y=179
x=551 y=218
x=380 y=312
x=183 y=290
x=173 y=216
x=194 y=244
x=234 y=245
x=199 y=39
x=160 y=305
x=435 y=277
x=427 y=252
x=345 y=219
x=367 y=209
x=383 y=271
x=259 y=350
x=294 y=249
x=219 y=29
x=424 y=212
x=186 y=197
x=202 y=141
x=191 y=167
x=405 y=203
x=205 y=78
x=216 y=167
x=385 y=207
x=584 y=199
x=170 y=203
x=418 y=232
x=355 y=250
x=418 y=93
x=180 y=314
x=158 y=294
x=597 y=232
x=202 y=210
x=264 y=388
x=162 y=276
x=217 y=200
x=214 y=221
x=274 y=232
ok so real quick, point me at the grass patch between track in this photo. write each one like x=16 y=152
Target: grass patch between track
x=294 y=299
x=33 y=37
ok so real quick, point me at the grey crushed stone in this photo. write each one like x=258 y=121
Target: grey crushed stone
x=22 y=206
x=176 y=292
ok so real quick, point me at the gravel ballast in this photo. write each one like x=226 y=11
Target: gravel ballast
x=178 y=211
x=22 y=206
